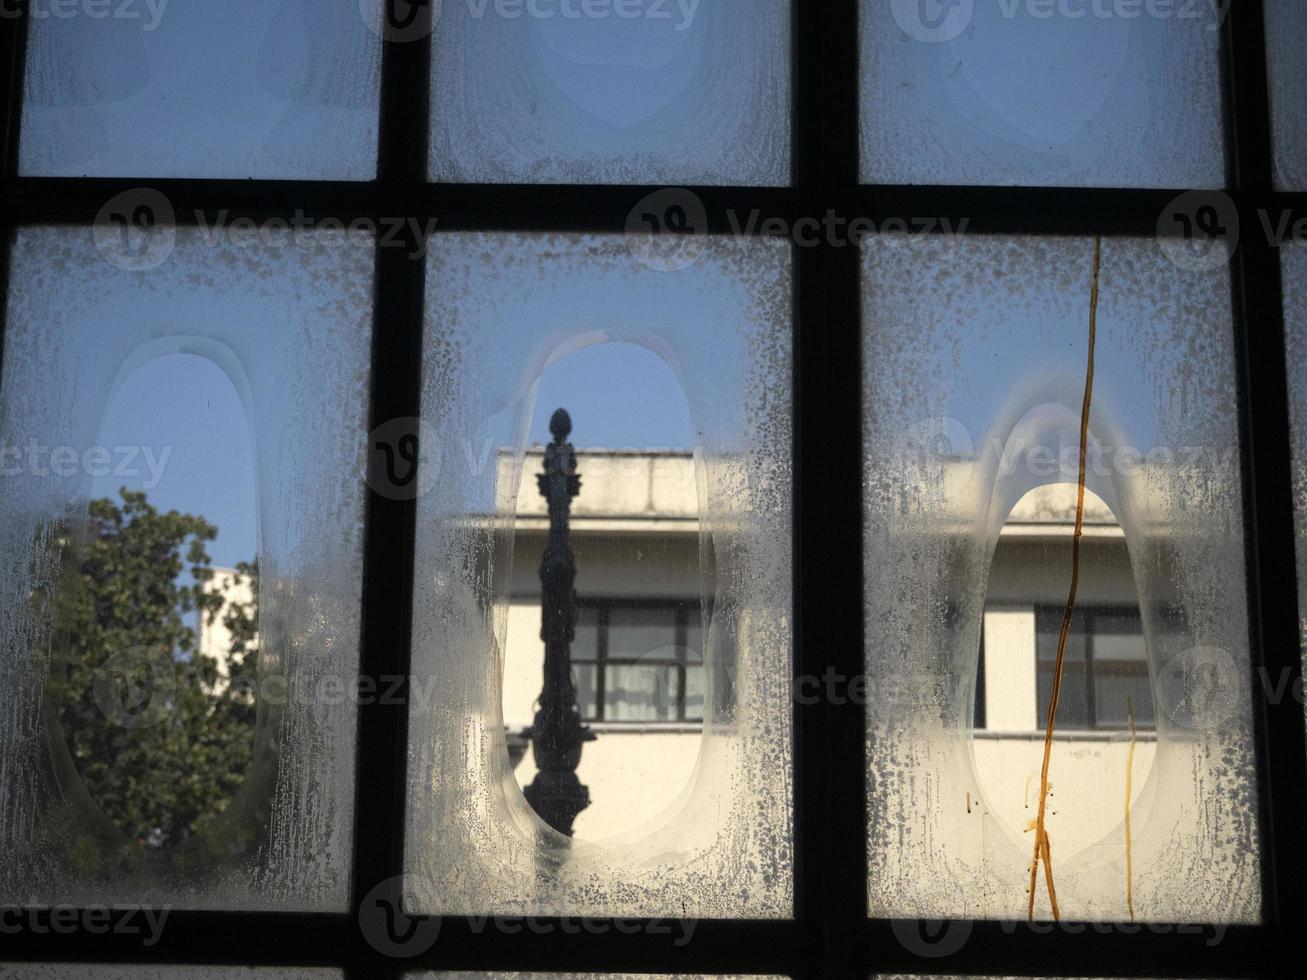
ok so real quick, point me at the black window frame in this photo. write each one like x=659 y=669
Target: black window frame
x=831 y=933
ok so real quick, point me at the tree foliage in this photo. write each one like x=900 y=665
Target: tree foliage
x=160 y=736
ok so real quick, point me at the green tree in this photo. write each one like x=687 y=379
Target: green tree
x=159 y=735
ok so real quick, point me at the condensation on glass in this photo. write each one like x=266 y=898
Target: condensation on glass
x=686 y=93
x=975 y=354
x=242 y=89
x=1286 y=33
x=286 y=330
x=500 y=307
x=1018 y=93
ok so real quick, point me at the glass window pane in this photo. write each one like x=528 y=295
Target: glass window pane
x=186 y=519
x=1073 y=711
x=1126 y=647
x=1286 y=33
x=1021 y=93
x=501 y=308
x=1117 y=693
x=1048 y=626
x=637 y=632
x=642 y=93
x=973 y=392
x=244 y=88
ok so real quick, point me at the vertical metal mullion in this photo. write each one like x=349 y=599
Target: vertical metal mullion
x=13 y=61
x=381 y=762
x=681 y=615
x=830 y=735
x=1263 y=394
x=601 y=660
x=13 y=58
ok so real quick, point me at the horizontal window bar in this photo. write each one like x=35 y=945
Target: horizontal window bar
x=584 y=944
x=829 y=216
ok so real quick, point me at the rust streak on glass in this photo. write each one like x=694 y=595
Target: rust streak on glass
x=1129 y=783
x=1042 y=847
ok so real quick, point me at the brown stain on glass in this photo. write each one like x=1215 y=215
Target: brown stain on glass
x=1043 y=849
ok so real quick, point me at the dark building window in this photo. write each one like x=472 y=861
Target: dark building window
x=1105 y=672
x=639 y=660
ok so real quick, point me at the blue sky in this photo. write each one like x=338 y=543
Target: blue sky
x=183 y=409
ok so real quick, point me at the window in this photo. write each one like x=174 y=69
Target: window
x=483 y=187
x=1105 y=678
x=639 y=661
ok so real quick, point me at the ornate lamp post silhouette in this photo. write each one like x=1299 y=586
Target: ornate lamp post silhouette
x=557 y=733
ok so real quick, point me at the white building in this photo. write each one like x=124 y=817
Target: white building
x=639 y=671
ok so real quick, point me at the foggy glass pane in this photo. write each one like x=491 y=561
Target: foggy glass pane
x=181 y=528
x=645 y=93
x=244 y=88
x=1017 y=92
x=1286 y=34
x=973 y=393
x=503 y=310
